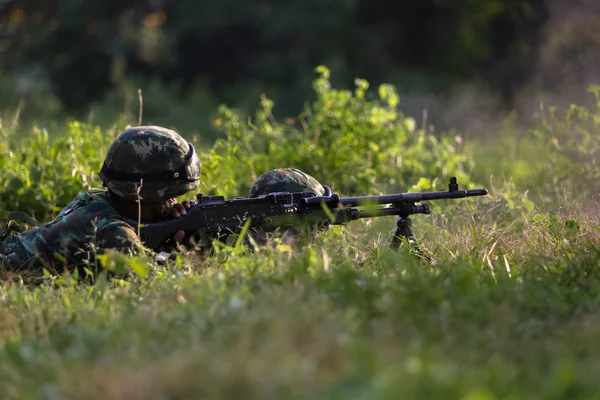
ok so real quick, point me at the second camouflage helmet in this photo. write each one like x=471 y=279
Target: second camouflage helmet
x=285 y=180
x=166 y=163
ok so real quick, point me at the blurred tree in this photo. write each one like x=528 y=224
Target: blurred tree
x=240 y=48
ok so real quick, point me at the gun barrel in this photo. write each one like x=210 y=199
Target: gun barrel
x=477 y=192
x=453 y=194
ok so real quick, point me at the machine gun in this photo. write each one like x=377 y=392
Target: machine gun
x=215 y=216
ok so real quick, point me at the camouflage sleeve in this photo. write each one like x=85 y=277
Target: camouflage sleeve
x=119 y=236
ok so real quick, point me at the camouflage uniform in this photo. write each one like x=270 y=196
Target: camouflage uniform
x=85 y=227
x=162 y=160
x=282 y=180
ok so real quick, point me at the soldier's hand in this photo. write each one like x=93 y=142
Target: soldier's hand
x=179 y=208
x=177 y=211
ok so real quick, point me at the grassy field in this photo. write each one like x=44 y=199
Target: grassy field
x=507 y=309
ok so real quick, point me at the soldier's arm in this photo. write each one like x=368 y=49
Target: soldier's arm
x=118 y=235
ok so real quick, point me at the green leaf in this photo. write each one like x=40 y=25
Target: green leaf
x=240 y=240
x=571 y=228
x=139 y=266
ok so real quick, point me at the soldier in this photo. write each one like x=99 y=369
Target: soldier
x=283 y=180
x=294 y=180
x=145 y=169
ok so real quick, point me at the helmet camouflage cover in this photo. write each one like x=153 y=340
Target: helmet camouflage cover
x=285 y=180
x=164 y=162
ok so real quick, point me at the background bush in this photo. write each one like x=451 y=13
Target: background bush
x=358 y=142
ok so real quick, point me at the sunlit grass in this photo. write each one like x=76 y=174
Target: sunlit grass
x=343 y=317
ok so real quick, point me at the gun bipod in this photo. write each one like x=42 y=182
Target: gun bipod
x=405 y=233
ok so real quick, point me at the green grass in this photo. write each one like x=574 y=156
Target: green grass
x=508 y=309
x=344 y=318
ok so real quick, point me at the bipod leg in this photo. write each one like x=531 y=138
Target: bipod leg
x=404 y=232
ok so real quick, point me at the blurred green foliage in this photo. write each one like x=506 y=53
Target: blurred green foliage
x=40 y=174
x=560 y=152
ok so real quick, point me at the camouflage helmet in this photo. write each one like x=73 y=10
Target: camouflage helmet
x=285 y=180
x=166 y=163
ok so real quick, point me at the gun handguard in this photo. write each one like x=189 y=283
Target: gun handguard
x=453 y=192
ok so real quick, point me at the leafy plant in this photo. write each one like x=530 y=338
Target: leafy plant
x=353 y=141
